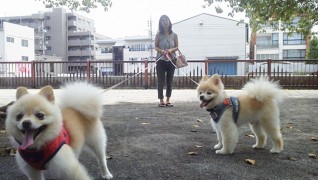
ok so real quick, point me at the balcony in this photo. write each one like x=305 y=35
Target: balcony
x=74 y=53
x=72 y=23
x=267 y=46
x=75 y=42
x=81 y=53
x=88 y=53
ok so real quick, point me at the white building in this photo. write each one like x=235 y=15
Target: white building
x=290 y=47
x=16 y=42
x=16 y=45
x=208 y=35
x=276 y=44
x=212 y=37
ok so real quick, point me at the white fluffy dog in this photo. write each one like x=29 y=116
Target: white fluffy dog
x=257 y=105
x=52 y=136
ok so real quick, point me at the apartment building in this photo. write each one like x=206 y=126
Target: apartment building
x=16 y=44
x=268 y=43
x=60 y=35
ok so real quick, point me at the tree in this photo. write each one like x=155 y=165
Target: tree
x=74 y=5
x=271 y=11
x=312 y=52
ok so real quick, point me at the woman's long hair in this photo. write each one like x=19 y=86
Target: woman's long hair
x=161 y=30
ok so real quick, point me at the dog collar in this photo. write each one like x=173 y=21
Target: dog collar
x=218 y=110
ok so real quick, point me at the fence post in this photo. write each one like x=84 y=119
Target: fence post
x=33 y=73
x=146 y=74
x=269 y=68
x=88 y=70
x=205 y=67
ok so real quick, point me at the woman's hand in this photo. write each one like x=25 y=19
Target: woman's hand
x=172 y=50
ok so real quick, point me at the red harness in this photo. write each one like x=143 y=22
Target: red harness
x=38 y=158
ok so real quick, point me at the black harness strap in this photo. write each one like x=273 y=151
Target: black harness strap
x=218 y=111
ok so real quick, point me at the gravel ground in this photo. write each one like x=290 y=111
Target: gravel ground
x=148 y=142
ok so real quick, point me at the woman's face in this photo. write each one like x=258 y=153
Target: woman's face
x=165 y=22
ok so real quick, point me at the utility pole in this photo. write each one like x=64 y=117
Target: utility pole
x=42 y=31
x=151 y=40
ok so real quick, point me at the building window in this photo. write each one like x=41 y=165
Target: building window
x=106 y=50
x=47 y=38
x=271 y=25
x=47 y=17
x=48 y=28
x=137 y=47
x=10 y=39
x=267 y=56
x=294 y=23
x=293 y=39
x=48 y=48
x=24 y=43
x=25 y=58
x=294 y=54
x=275 y=39
x=270 y=41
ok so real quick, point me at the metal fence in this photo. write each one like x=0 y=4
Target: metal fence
x=292 y=74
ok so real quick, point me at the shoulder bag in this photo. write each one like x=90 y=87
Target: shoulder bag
x=181 y=60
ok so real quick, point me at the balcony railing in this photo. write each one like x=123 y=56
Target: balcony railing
x=267 y=46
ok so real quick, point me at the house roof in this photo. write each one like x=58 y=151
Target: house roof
x=207 y=15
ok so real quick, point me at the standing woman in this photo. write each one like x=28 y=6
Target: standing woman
x=166 y=44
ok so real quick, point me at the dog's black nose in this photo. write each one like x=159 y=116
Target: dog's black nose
x=201 y=98
x=26 y=124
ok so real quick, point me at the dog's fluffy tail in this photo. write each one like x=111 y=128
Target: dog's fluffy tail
x=263 y=90
x=83 y=97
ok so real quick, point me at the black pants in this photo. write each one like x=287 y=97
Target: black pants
x=165 y=72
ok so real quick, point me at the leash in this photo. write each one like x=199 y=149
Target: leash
x=181 y=70
x=114 y=86
x=167 y=55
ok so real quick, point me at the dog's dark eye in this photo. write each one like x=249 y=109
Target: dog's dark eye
x=40 y=116
x=209 y=93
x=200 y=93
x=19 y=116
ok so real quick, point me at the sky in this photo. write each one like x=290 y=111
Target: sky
x=125 y=17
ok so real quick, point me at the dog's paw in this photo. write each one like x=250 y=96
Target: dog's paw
x=276 y=150
x=218 y=146
x=222 y=151
x=257 y=146
x=108 y=176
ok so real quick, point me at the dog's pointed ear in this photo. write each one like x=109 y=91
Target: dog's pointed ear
x=204 y=78
x=21 y=91
x=216 y=80
x=47 y=92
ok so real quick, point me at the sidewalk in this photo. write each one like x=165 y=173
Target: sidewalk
x=116 y=96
